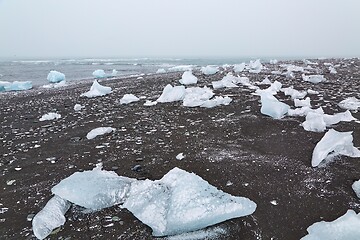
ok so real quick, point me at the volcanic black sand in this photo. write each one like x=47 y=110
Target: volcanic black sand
x=263 y=158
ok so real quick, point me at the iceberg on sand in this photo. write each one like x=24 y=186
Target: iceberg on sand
x=129 y=98
x=99 y=131
x=96 y=90
x=49 y=116
x=255 y=66
x=188 y=78
x=196 y=96
x=295 y=94
x=226 y=82
x=55 y=77
x=356 y=188
x=314 y=78
x=351 y=103
x=272 y=107
x=172 y=94
x=50 y=217
x=179 y=202
x=317 y=121
x=340 y=143
x=217 y=101
x=15 y=86
x=209 y=70
x=346 y=227
x=239 y=67
x=99 y=73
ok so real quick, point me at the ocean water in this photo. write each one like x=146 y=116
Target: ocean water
x=80 y=69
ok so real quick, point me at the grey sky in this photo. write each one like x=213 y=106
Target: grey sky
x=179 y=28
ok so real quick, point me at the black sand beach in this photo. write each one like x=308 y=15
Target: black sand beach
x=263 y=158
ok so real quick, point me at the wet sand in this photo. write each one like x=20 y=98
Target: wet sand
x=263 y=158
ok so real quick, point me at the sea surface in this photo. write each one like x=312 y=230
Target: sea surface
x=80 y=69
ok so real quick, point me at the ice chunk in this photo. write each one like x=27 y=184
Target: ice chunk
x=266 y=81
x=188 y=78
x=161 y=70
x=183 y=202
x=303 y=111
x=78 y=107
x=273 y=89
x=346 y=227
x=351 y=103
x=239 y=67
x=341 y=143
x=338 y=117
x=255 y=66
x=97 y=90
x=180 y=156
x=216 y=102
x=15 y=86
x=150 y=103
x=356 y=188
x=181 y=68
x=272 y=107
x=226 y=82
x=196 y=96
x=50 y=116
x=332 y=70
x=295 y=94
x=55 y=77
x=302 y=103
x=209 y=70
x=312 y=92
x=314 y=78
x=99 y=73
x=273 y=61
x=99 y=131
x=129 y=98
x=114 y=73
x=172 y=94
x=95 y=189
x=55 y=85
x=50 y=217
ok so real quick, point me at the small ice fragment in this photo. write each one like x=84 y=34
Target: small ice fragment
x=209 y=70
x=172 y=94
x=99 y=131
x=50 y=217
x=129 y=98
x=227 y=82
x=302 y=103
x=346 y=227
x=332 y=70
x=188 y=78
x=356 y=188
x=99 y=73
x=229 y=183
x=30 y=217
x=312 y=92
x=161 y=70
x=341 y=143
x=180 y=156
x=50 y=116
x=239 y=67
x=274 y=202
x=10 y=182
x=313 y=78
x=351 y=103
x=149 y=103
x=3 y=210
x=78 y=107
x=255 y=66
x=17 y=168
x=272 y=107
x=96 y=90
x=295 y=94
x=114 y=73
x=55 y=77
x=217 y=101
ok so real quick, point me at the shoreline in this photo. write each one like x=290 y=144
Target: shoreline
x=263 y=158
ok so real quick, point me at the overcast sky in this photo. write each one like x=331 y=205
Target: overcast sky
x=179 y=28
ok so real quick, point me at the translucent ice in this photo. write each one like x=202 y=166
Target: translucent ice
x=161 y=70
x=317 y=121
x=15 y=86
x=356 y=188
x=228 y=81
x=99 y=131
x=78 y=107
x=99 y=73
x=255 y=66
x=188 y=78
x=50 y=217
x=55 y=77
x=196 y=96
x=273 y=89
x=114 y=73
x=314 y=78
x=302 y=103
x=341 y=143
x=95 y=189
x=149 y=103
x=172 y=94
x=272 y=107
x=50 y=116
x=209 y=70
x=346 y=227
x=129 y=98
x=332 y=70
x=183 y=202
x=351 y=103
x=217 y=101
x=97 y=90
x=295 y=94
x=239 y=67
